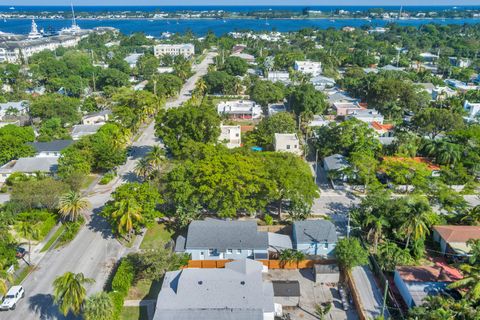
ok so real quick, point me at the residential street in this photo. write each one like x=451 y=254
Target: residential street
x=94 y=251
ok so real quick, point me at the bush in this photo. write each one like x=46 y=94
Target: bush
x=117 y=301
x=71 y=230
x=268 y=220
x=107 y=178
x=123 y=279
x=46 y=226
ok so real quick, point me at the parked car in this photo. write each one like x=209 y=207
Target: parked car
x=12 y=297
x=21 y=252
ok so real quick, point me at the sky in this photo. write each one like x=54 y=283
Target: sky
x=240 y=2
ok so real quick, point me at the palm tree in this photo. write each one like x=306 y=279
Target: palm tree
x=72 y=206
x=28 y=231
x=444 y=152
x=417 y=219
x=5 y=279
x=376 y=223
x=201 y=86
x=470 y=281
x=143 y=168
x=156 y=157
x=69 y=292
x=98 y=307
x=127 y=212
x=291 y=256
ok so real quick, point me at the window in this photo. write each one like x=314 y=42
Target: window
x=237 y=135
x=288 y=147
x=211 y=252
x=229 y=251
x=295 y=147
x=239 y=251
x=325 y=245
x=202 y=253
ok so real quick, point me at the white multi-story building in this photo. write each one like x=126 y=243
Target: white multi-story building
x=184 y=49
x=287 y=142
x=312 y=68
x=240 y=109
x=231 y=136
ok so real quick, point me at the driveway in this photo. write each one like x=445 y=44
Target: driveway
x=370 y=296
x=94 y=251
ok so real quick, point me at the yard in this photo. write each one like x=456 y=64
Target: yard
x=156 y=235
x=134 y=313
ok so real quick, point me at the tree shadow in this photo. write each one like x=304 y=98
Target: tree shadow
x=137 y=152
x=43 y=305
x=97 y=223
x=130 y=176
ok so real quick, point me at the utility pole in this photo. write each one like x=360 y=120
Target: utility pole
x=348 y=226
x=385 y=298
x=316 y=165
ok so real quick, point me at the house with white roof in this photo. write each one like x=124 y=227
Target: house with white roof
x=231 y=136
x=366 y=115
x=51 y=148
x=276 y=108
x=312 y=68
x=321 y=82
x=278 y=76
x=99 y=117
x=183 y=49
x=287 y=142
x=132 y=59
x=237 y=291
x=29 y=166
x=17 y=108
x=345 y=108
x=240 y=109
x=82 y=130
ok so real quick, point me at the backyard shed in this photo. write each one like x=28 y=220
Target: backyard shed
x=326 y=273
x=286 y=293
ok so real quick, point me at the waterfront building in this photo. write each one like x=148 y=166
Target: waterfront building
x=184 y=49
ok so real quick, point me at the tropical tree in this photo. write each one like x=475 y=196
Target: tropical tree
x=127 y=212
x=143 y=168
x=69 y=292
x=376 y=222
x=98 y=307
x=470 y=281
x=350 y=253
x=291 y=256
x=156 y=157
x=474 y=251
x=5 y=279
x=444 y=152
x=72 y=206
x=28 y=230
x=472 y=217
x=418 y=217
x=321 y=310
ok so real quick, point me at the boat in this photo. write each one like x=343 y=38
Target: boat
x=150 y=20
x=74 y=29
x=12 y=8
x=332 y=20
x=266 y=22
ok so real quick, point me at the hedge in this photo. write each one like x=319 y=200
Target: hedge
x=117 y=301
x=123 y=279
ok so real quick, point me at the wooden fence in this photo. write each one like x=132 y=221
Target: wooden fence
x=271 y=264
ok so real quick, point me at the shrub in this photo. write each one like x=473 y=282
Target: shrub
x=268 y=220
x=117 y=301
x=124 y=277
x=46 y=226
x=107 y=178
x=71 y=230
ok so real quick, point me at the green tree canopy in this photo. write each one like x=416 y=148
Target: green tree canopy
x=56 y=106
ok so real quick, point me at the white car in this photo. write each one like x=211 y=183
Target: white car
x=13 y=295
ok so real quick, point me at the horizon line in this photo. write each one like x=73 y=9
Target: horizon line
x=246 y=5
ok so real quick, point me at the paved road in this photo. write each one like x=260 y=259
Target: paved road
x=94 y=251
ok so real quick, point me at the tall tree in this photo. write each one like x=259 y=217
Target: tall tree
x=69 y=292
x=98 y=307
x=350 y=253
x=72 y=206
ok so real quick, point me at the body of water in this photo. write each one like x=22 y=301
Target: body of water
x=202 y=26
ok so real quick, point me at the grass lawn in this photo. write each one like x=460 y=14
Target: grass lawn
x=23 y=274
x=144 y=290
x=88 y=180
x=155 y=235
x=134 y=313
x=53 y=238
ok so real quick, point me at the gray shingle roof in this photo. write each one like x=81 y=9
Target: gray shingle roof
x=30 y=165
x=53 y=146
x=310 y=231
x=222 y=235
x=235 y=292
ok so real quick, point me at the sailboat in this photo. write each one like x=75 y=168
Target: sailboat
x=74 y=28
x=266 y=21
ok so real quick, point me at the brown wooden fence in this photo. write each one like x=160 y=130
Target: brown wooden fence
x=271 y=264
